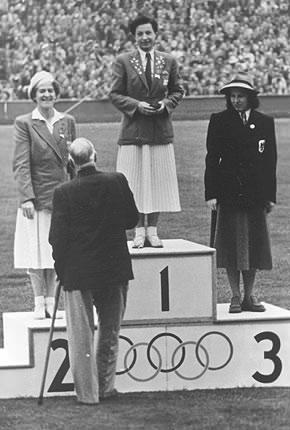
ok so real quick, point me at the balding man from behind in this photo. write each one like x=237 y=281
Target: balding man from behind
x=88 y=235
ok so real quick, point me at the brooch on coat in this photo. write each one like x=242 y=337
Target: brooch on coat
x=136 y=65
x=165 y=77
x=62 y=130
x=252 y=126
x=261 y=145
x=160 y=73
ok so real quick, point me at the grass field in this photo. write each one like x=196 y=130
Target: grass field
x=221 y=409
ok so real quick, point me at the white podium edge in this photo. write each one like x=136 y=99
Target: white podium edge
x=149 y=323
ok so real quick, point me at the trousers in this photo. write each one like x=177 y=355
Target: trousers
x=93 y=364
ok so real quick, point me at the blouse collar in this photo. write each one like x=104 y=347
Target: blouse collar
x=36 y=114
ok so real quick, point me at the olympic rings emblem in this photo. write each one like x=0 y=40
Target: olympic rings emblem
x=157 y=368
x=150 y=346
x=204 y=361
x=209 y=334
x=128 y=368
x=191 y=378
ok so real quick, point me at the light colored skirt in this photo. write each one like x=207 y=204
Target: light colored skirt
x=31 y=247
x=151 y=174
x=242 y=239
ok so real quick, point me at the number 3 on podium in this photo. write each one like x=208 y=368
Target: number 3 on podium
x=270 y=355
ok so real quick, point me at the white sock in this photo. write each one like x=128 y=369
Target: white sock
x=49 y=303
x=39 y=301
x=140 y=231
x=49 y=300
x=39 y=310
x=152 y=230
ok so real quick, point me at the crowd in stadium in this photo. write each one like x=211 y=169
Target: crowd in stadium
x=79 y=40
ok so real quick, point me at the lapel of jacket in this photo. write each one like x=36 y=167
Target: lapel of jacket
x=250 y=129
x=160 y=74
x=42 y=130
x=234 y=120
x=62 y=136
x=254 y=120
x=136 y=64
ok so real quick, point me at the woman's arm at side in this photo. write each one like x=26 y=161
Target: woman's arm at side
x=22 y=160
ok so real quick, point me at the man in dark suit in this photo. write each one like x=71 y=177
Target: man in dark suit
x=92 y=261
x=146 y=89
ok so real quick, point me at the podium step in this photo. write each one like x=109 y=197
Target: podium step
x=173 y=282
x=273 y=312
x=233 y=351
x=174 y=336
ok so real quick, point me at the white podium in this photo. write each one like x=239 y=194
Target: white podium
x=174 y=282
x=174 y=335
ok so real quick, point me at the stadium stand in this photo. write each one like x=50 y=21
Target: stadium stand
x=79 y=40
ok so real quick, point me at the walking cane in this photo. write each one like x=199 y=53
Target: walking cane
x=57 y=294
x=212 y=227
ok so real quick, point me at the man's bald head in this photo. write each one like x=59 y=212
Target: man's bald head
x=82 y=151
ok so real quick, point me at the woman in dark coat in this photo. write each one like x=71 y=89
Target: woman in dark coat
x=240 y=184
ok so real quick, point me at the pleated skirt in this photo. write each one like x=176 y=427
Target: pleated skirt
x=31 y=247
x=242 y=239
x=151 y=174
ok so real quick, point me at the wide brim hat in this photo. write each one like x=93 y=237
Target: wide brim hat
x=39 y=78
x=242 y=81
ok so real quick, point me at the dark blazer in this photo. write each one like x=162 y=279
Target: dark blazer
x=40 y=159
x=241 y=160
x=89 y=218
x=129 y=86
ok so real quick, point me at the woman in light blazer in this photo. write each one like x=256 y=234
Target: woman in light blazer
x=40 y=163
x=240 y=184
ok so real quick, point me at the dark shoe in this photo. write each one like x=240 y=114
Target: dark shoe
x=235 y=306
x=252 y=304
x=110 y=395
x=154 y=241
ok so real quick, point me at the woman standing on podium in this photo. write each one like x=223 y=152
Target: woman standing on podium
x=40 y=163
x=240 y=185
x=146 y=89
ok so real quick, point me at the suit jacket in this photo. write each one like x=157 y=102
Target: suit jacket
x=129 y=86
x=241 y=160
x=89 y=218
x=40 y=159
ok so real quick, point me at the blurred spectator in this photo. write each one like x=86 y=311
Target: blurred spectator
x=78 y=40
